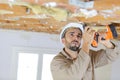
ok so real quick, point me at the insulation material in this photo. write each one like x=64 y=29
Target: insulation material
x=51 y=18
x=85 y=13
x=57 y=13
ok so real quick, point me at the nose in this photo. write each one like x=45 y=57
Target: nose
x=76 y=37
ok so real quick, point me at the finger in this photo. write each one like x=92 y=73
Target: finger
x=90 y=30
x=92 y=33
x=103 y=36
x=99 y=39
x=102 y=33
x=87 y=28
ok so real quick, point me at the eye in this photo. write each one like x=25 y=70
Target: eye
x=71 y=34
x=79 y=36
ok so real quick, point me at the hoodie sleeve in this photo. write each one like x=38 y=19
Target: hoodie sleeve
x=103 y=57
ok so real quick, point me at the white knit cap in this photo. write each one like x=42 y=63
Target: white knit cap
x=76 y=25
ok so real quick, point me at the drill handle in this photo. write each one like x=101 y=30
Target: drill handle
x=95 y=41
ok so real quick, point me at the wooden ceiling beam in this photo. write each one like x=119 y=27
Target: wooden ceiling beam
x=106 y=4
x=19 y=20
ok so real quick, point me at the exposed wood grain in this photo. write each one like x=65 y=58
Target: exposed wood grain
x=19 y=20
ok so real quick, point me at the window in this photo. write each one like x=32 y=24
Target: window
x=46 y=74
x=32 y=63
x=27 y=66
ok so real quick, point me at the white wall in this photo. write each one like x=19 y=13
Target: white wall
x=11 y=38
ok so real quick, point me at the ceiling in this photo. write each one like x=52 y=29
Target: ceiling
x=39 y=18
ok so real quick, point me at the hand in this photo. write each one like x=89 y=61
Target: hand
x=105 y=42
x=88 y=37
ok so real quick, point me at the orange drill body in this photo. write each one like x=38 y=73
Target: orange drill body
x=109 y=35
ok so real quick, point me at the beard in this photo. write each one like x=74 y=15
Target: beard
x=74 y=45
x=74 y=48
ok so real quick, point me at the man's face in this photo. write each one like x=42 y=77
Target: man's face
x=72 y=39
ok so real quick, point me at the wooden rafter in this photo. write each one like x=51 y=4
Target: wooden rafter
x=17 y=17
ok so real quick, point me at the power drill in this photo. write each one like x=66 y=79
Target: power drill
x=111 y=33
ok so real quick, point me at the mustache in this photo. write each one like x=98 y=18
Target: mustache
x=75 y=41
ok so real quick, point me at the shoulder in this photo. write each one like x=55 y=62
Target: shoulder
x=58 y=58
x=58 y=61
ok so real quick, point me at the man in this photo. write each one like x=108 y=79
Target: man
x=76 y=62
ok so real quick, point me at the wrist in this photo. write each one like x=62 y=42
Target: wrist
x=85 y=47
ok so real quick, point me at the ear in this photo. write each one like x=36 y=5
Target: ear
x=63 y=40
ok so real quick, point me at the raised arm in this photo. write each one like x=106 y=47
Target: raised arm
x=110 y=54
